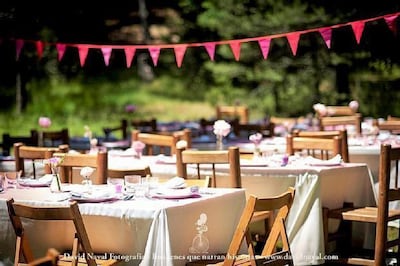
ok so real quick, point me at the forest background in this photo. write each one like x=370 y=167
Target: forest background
x=282 y=85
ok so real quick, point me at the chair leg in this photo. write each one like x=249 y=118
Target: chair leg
x=342 y=236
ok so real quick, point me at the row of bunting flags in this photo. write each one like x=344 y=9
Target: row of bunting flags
x=180 y=49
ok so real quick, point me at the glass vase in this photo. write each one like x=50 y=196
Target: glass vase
x=219 y=142
x=55 y=185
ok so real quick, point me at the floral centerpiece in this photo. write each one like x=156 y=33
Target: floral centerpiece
x=256 y=139
x=221 y=130
x=44 y=122
x=54 y=164
x=138 y=147
x=86 y=172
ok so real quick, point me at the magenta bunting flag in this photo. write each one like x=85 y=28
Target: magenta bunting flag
x=264 y=46
x=106 y=54
x=235 y=47
x=154 y=53
x=39 y=48
x=293 y=39
x=18 y=46
x=60 y=50
x=83 y=52
x=391 y=22
x=179 y=51
x=129 y=54
x=210 y=48
x=326 y=34
x=358 y=28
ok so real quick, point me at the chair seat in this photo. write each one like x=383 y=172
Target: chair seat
x=366 y=214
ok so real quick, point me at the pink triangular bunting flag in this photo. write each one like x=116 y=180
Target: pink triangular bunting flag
x=83 y=52
x=391 y=22
x=39 y=48
x=210 y=48
x=129 y=53
x=106 y=54
x=60 y=50
x=154 y=54
x=179 y=54
x=326 y=34
x=293 y=39
x=18 y=46
x=358 y=28
x=235 y=47
x=264 y=46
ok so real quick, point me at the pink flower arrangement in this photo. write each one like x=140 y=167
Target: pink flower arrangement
x=320 y=109
x=256 y=138
x=138 y=147
x=130 y=108
x=354 y=105
x=44 y=122
x=222 y=128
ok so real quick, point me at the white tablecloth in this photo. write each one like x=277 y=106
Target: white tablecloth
x=149 y=232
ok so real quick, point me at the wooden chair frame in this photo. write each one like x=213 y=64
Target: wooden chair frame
x=379 y=215
x=233 y=112
x=322 y=148
x=164 y=142
x=230 y=156
x=123 y=127
x=68 y=213
x=8 y=141
x=54 y=138
x=77 y=160
x=328 y=134
x=280 y=205
x=333 y=121
x=23 y=152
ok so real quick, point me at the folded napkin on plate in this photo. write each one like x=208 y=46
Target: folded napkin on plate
x=318 y=162
x=96 y=194
x=43 y=181
x=162 y=159
x=175 y=182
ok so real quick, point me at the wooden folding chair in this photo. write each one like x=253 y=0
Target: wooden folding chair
x=322 y=148
x=122 y=128
x=71 y=213
x=212 y=157
x=54 y=138
x=334 y=122
x=380 y=216
x=328 y=134
x=71 y=161
x=231 y=112
x=246 y=129
x=23 y=152
x=8 y=141
x=156 y=143
x=393 y=126
x=271 y=254
x=50 y=259
x=145 y=126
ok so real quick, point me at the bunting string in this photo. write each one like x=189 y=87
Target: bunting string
x=180 y=49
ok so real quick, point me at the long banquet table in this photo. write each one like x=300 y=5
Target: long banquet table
x=144 y=231
x=316 y=187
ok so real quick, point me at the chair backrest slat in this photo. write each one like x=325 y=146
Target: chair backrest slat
x=213 y=157
x=69 y=213
x=326 y=148
x=98 y=160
